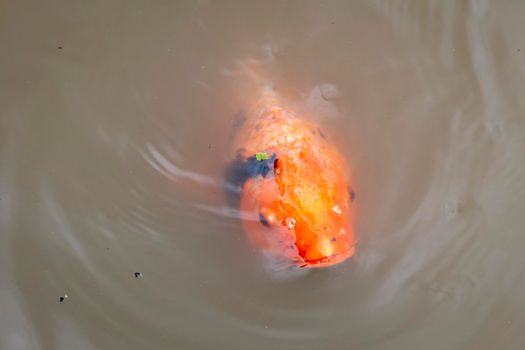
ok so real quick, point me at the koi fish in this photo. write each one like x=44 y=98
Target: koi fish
x=285 y=172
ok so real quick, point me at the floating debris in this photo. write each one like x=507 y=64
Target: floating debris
x=262 y=156
x=63 y=298
x=137 y=275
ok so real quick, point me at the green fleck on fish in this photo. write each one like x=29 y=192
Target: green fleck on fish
x=261 y=156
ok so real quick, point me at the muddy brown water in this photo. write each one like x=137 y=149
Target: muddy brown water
x=114 y=119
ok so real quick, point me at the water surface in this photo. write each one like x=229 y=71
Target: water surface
x=114 y=125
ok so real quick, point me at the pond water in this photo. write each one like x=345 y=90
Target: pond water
x=115 y=120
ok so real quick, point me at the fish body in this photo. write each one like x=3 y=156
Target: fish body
x=287 y=174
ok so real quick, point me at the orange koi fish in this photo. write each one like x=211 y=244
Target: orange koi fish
x=288 y=175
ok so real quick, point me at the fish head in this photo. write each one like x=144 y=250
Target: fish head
x=303 y=213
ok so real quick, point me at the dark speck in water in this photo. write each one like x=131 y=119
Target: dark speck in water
x=60 y=47
x=137 y=274
x=63 y=298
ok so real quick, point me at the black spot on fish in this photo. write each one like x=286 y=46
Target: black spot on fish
x=263 y=220
x=242 y=169
x=351 y=193
x=321 y=134
x=333 y=239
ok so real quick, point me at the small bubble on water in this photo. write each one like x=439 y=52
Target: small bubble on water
x=328 y=91
x=453 y=208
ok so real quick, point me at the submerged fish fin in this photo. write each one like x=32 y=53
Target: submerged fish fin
x=242 y=169
x=277 y=263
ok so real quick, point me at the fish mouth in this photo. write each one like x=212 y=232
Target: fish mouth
x=330 y=260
